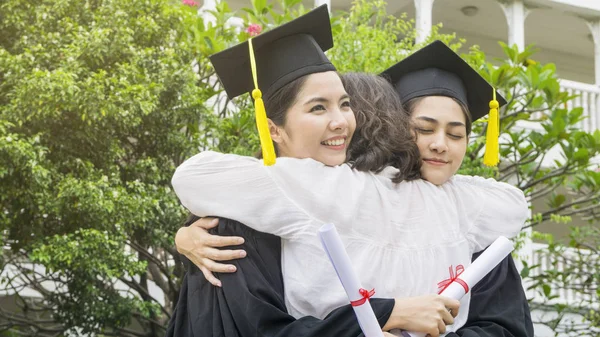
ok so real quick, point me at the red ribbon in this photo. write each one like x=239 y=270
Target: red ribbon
x=366 y=294
x=454 y=274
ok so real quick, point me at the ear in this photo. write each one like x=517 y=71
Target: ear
x=276 y=132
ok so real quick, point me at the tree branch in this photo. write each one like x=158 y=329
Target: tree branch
x=556 y=173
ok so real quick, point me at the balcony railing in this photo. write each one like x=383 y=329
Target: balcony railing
x=588 y=97
x=541 y=257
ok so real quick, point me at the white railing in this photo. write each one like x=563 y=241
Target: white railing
x=541 y=257
x=588 y=97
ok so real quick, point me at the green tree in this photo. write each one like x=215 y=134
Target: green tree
x=566 y=187
x=101 y=100
x=573 y=270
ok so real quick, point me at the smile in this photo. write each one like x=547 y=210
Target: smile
x=435 y=162
x=336 y=143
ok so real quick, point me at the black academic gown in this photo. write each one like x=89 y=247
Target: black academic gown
x=250 y=301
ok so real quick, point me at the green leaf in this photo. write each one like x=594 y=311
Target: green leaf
x=547 y=290
x=558 y=200
x=291 y=3
x=259 y=5
x=537 y=102
x=581 y=155
x=575 y=115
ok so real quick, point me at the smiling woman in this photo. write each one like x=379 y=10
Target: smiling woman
x=402 y=235
x=443 y=95
x=309 y=116
x=318 y=123
x=442 y=136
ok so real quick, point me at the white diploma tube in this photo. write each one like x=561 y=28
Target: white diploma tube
x=341 y=262
x=484 y=264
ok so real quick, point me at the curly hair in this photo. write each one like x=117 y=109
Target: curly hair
x=383 y=135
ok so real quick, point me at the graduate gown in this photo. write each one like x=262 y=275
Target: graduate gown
x=250 y=302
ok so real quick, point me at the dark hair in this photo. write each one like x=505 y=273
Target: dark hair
x=278 y=104
x=411 y=104
x=383 y=135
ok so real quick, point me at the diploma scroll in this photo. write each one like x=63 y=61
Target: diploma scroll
x=484 y=264
x=358 y=296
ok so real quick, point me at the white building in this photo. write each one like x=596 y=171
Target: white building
x=566 y=32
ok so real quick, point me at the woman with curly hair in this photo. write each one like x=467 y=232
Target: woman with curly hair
x=418 y=227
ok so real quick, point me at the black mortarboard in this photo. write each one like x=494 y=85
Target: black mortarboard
x=282 y=55
x=274 y=59
x=436 y=70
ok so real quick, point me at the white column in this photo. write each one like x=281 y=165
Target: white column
x=423 y=11
x=595 y=28
x=209 y=5
x=525 y=253
x=321 y=2
x=516 y=13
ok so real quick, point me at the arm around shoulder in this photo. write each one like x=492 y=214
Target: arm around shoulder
x=229 y=186
x=491 y=209
x=243 y=189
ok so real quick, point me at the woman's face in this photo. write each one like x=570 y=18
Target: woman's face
x=440 y=126
x=319 y=124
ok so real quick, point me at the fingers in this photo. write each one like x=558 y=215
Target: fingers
x=208 y=267
x=453 y=312
x=441 y=327
x=210 y=277
x=206 y=263
x=198 y=236
x=452 y=304
x=449 y=311
x=206 y=223
x=447 y=317
x=222 y=241
x=434 y=332
x=213 y=240
x=213 y=266
x=223 y=255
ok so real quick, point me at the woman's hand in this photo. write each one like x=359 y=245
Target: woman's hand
x=200 y=247
x=428 y=314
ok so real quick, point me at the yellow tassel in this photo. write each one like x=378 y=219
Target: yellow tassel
x=492 y=146
x=266 y=143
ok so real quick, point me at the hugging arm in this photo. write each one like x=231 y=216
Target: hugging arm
x=204 y=249
x=243 y=189
x=488 y=209
x=251 y=302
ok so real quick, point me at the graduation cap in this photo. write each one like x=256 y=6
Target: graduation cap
x=436 y=70
x=271 y=60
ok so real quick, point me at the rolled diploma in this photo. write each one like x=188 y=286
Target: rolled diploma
x=484 y=264
x=338 y=256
